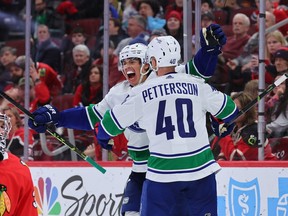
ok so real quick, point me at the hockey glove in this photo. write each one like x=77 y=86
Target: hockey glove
x=220 y=128
x=42 y=117
x=212 y=38
x=103 y=138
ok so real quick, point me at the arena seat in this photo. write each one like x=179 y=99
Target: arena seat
x=90 y=26
x=19 y=44
x=221 y=17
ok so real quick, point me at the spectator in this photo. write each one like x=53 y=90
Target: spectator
x=12 y=92
x=116 y=34
x=207 y=18
x=281 y=60
x=242 y=143
x=274 y=41
x=279 y=14
x=235 y=43
x=150 y=10
x=157 y=33
x=16 y=136
x=251 y=88
x=78 y=36
x=81 y=64
x=176 y=5
x=206 y=5
x=39 y=71
x=278 y=123
x=39 y=93
x=45 y=15
x=242 y=62
x=129 y=10
x=115 y=75
x=136 y=27
x=7 y=56
x=46 y=50
x=174 y=27
x=90 y=90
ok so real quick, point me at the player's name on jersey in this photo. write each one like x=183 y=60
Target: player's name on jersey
x=169 y=89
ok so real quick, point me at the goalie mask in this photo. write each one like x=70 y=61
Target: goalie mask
x=166 y=51
x=5 y=127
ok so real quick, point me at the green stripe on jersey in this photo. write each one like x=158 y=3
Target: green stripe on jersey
x=194 y=71
x=180 y=163
x=139 y=155
x=91 y=115
x=109 y=125
x=229 y=108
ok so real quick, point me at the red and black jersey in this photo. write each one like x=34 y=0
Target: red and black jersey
x=16 y=188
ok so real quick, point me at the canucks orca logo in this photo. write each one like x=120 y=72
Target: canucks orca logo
x=136 y=128
x=244 y=198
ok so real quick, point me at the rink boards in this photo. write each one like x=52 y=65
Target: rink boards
x=76 y=188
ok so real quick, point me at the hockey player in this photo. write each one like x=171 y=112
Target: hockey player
x=132 y=58
x=180 y=178
x=16 y=197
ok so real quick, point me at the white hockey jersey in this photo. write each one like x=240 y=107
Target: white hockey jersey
x=172 y=109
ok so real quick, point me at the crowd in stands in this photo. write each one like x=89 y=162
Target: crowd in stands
x=67 y=59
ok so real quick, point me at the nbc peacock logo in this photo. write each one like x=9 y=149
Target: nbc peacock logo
x=46 y=197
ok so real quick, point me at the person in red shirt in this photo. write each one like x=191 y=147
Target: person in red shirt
x=17 y=197
x=44 y=72
x=39 y=93
x=90 y=90
x=115 y=76
x=242 y=143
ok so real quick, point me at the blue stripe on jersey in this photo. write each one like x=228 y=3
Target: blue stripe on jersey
x=182 y=154
x=223 y=105
x=135 y=128
x=115 y=120
x=182 y=171
x=97 y=113
x=140 y=163
x=137 y=148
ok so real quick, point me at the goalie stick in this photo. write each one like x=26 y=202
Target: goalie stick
x=55 y=134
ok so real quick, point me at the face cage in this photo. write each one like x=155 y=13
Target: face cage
x=5 y=127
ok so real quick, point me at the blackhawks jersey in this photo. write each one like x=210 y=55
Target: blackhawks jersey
x=16 y=188
x=137 y=138
x=172 y=109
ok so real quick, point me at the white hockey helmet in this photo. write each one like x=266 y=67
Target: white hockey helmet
x=137 y=50
x=165 y=49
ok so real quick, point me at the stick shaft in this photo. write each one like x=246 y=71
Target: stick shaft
x=256 y=100
x=55 y=134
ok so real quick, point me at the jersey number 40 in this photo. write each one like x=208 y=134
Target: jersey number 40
x=164 y=123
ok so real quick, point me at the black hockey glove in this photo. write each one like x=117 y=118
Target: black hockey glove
x=212 y=38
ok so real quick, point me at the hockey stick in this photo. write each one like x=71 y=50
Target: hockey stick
x=55 y=134
x=253 y=103
x=256 y=100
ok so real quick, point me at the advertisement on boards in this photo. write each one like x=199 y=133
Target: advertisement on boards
x=242 y=191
